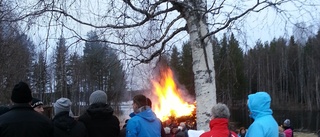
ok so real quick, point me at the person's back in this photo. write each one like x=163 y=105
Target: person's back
x=65 y=125
x=99 y=118
x=3 y=109
x=219 y=122
x=288 y=132
x=28 y=122
x=144 y=123
x=183 y=131
x=21 y=120
x=287 y=128
x=264 y=125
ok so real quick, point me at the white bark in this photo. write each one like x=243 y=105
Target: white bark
x=203 y=68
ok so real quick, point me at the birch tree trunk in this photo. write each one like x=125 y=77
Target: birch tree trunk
x=203 y=65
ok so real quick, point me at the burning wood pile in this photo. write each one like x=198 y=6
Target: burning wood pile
x=171 y=104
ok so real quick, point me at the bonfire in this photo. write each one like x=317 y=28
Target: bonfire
x=170 y=103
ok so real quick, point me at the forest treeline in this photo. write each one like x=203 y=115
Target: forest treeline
x=285 y=68
x=73 y=75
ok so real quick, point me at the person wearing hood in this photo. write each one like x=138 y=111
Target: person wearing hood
x=144 y=123
x=264 y=124
x=64 y=124
x=99 y=118
x=219 y=122
x=287 y=128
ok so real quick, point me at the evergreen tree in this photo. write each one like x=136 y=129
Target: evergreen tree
x=40 y=78
x=95 y=62
x=76 y=73
x=236 y=56
x=293 y=62
x=186 y=72
x=222 y=71
x=103 y=69
x=116 y=78
x=61 y=87
x=16 y=57
x=175 y=61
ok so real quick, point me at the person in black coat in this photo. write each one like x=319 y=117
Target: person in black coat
x=3 y=109
x=21 y=120
x=64 y=124
x=99 y=118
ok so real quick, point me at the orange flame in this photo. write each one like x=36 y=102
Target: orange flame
x=170 y=102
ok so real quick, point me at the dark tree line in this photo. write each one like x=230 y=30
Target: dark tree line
x=73 y=76
x=16 y=54
x=287 y=69
x=99 y=68
x=15 y=59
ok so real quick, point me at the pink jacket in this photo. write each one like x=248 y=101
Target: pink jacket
x=288 y=132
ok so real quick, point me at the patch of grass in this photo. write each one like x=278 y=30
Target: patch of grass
x=303 y=134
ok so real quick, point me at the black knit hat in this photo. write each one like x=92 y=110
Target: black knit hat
x=21 y=93
x=36 y=102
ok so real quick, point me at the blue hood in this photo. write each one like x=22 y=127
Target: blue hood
x=147 y=115
x=259 y=104
x=144 y=124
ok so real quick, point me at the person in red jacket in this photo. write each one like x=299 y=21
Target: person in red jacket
x=219 y=122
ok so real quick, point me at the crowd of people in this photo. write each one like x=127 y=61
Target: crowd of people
x=25 y=118
x=264 y=124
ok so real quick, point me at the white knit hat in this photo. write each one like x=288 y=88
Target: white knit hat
x=62 y=104
x=98 y=96
x=286 y=122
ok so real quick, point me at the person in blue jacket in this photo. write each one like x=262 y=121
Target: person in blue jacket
x=264 y=125
x=144 y=123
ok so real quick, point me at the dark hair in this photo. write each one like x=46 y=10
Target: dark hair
x=140 y=100
x=242 y=128
x=149 y=103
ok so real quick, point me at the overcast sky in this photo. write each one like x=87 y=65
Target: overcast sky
x=264 y=25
